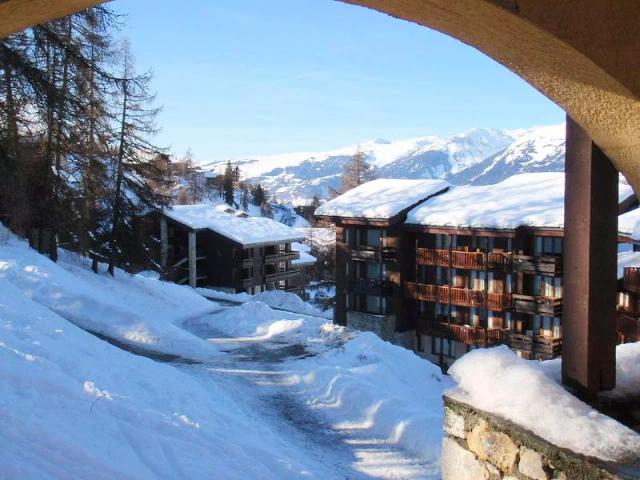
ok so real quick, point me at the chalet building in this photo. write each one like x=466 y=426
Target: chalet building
x=222 y=248
x=479 y=266
x=370 y=254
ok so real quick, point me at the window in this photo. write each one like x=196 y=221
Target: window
x=557 y=246
x=373 y=304
x=373 y=237
x=347 y=303
x=374 y=270
x=436 y=345
x=536 y=324
x=557 y=287
x=557 y=328
x=507 y=320
x=447 y=347
x=347 y=235
x=509 y=283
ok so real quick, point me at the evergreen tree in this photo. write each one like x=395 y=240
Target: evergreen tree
x=244 y=196
x=132 y=194
x=227 y=184
x=258 y=195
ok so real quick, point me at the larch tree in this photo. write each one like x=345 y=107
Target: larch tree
x=355 y=171
x=133 y=171
x=227 y=184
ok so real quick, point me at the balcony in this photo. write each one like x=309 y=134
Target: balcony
x=463 y=297
x=469 y=335
x=281 y=257
x=284 y=275
x=537 y=305
x=462 y=260
x=542 y=265
x=369 y=252
x=246 y=263
x=631 y=280
x=628 y=328
x=535 y=346
x=368 y=286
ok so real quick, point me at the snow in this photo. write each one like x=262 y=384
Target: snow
x=381 y=198
x=134 y=310
x=274 y=298
x=498 y=381
x=246 y=230
x=627 y=259
x=531 y=199
x=305 y=257
x=629 y=223
x=74 y=406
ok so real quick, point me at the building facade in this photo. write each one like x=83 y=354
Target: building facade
x=465 y=269
x=219 y=247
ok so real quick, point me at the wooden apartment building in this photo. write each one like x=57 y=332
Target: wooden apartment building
x=466 y=267
x=222 y=248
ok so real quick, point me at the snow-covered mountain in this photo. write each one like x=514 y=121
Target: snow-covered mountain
x=477 y=156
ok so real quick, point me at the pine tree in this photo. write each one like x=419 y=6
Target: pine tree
x=227 y=184
x=258 y=195
x=132 y=193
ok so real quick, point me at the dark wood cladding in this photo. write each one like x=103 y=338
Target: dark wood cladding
x=367 y=286
x=632 y=279
x=537 y=305
x=543 y=265
x=535 y=347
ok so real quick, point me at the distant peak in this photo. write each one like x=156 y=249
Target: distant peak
x=382 y=141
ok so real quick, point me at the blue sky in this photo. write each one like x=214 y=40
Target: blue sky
x=249 y=77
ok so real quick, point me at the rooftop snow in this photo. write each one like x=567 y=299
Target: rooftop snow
x=629 y=223
x=381 y=199
x=305 y=257
x=531 y=199
x=627 y=259
x=248 y=231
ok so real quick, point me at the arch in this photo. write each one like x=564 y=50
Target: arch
x=581 y=54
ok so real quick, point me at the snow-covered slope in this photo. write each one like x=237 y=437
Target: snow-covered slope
x=478 y=156
x=538 y=149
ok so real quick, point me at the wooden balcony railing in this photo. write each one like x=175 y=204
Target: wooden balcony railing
x=535 y=346
x=281 y=257
x=462 y=260
x=367 y=252
x=628 y=328
x=463 y=297
x=469 y=335
x=277 y=276
x=548 y=265
x=631 y=280
x=532 y=305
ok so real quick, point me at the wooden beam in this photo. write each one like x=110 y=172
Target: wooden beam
x=590 y=251
x=193 y=278
x=164 y=242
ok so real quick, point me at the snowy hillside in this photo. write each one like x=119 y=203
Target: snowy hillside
x=197 y=389
x=478 y=156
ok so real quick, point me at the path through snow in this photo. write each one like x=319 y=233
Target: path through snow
x=261 y=370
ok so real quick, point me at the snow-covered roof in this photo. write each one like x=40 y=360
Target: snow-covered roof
x=529 y=199
x=233 y=224
x=629 y=224
x=305 y=257
x=627 y=259
x=381 y=199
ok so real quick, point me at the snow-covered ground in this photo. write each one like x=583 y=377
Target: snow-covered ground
x=529 y=393
x=211 y=390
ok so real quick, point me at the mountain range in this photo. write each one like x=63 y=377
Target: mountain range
x=475 y=157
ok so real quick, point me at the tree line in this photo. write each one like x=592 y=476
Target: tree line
x=78 y=166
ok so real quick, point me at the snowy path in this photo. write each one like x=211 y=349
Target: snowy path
x=258 y=370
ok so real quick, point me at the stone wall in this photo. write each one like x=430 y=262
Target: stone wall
x=481 y=446
x=382 y=325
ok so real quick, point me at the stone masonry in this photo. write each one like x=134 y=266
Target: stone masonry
x=481 y=446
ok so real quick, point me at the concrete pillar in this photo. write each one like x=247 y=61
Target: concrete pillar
x=192 y=259
x=164 y=243
x=590 y=255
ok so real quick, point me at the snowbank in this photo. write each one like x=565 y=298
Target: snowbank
x=73 y=406
x=371 y=385
x=134 y=310
x=274 y=298
x=498 y=381
x=233 y=224
x=382 y=198
x=305 y=257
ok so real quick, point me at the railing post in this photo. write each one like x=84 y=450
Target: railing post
x=192 y=260
x=591 y=201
